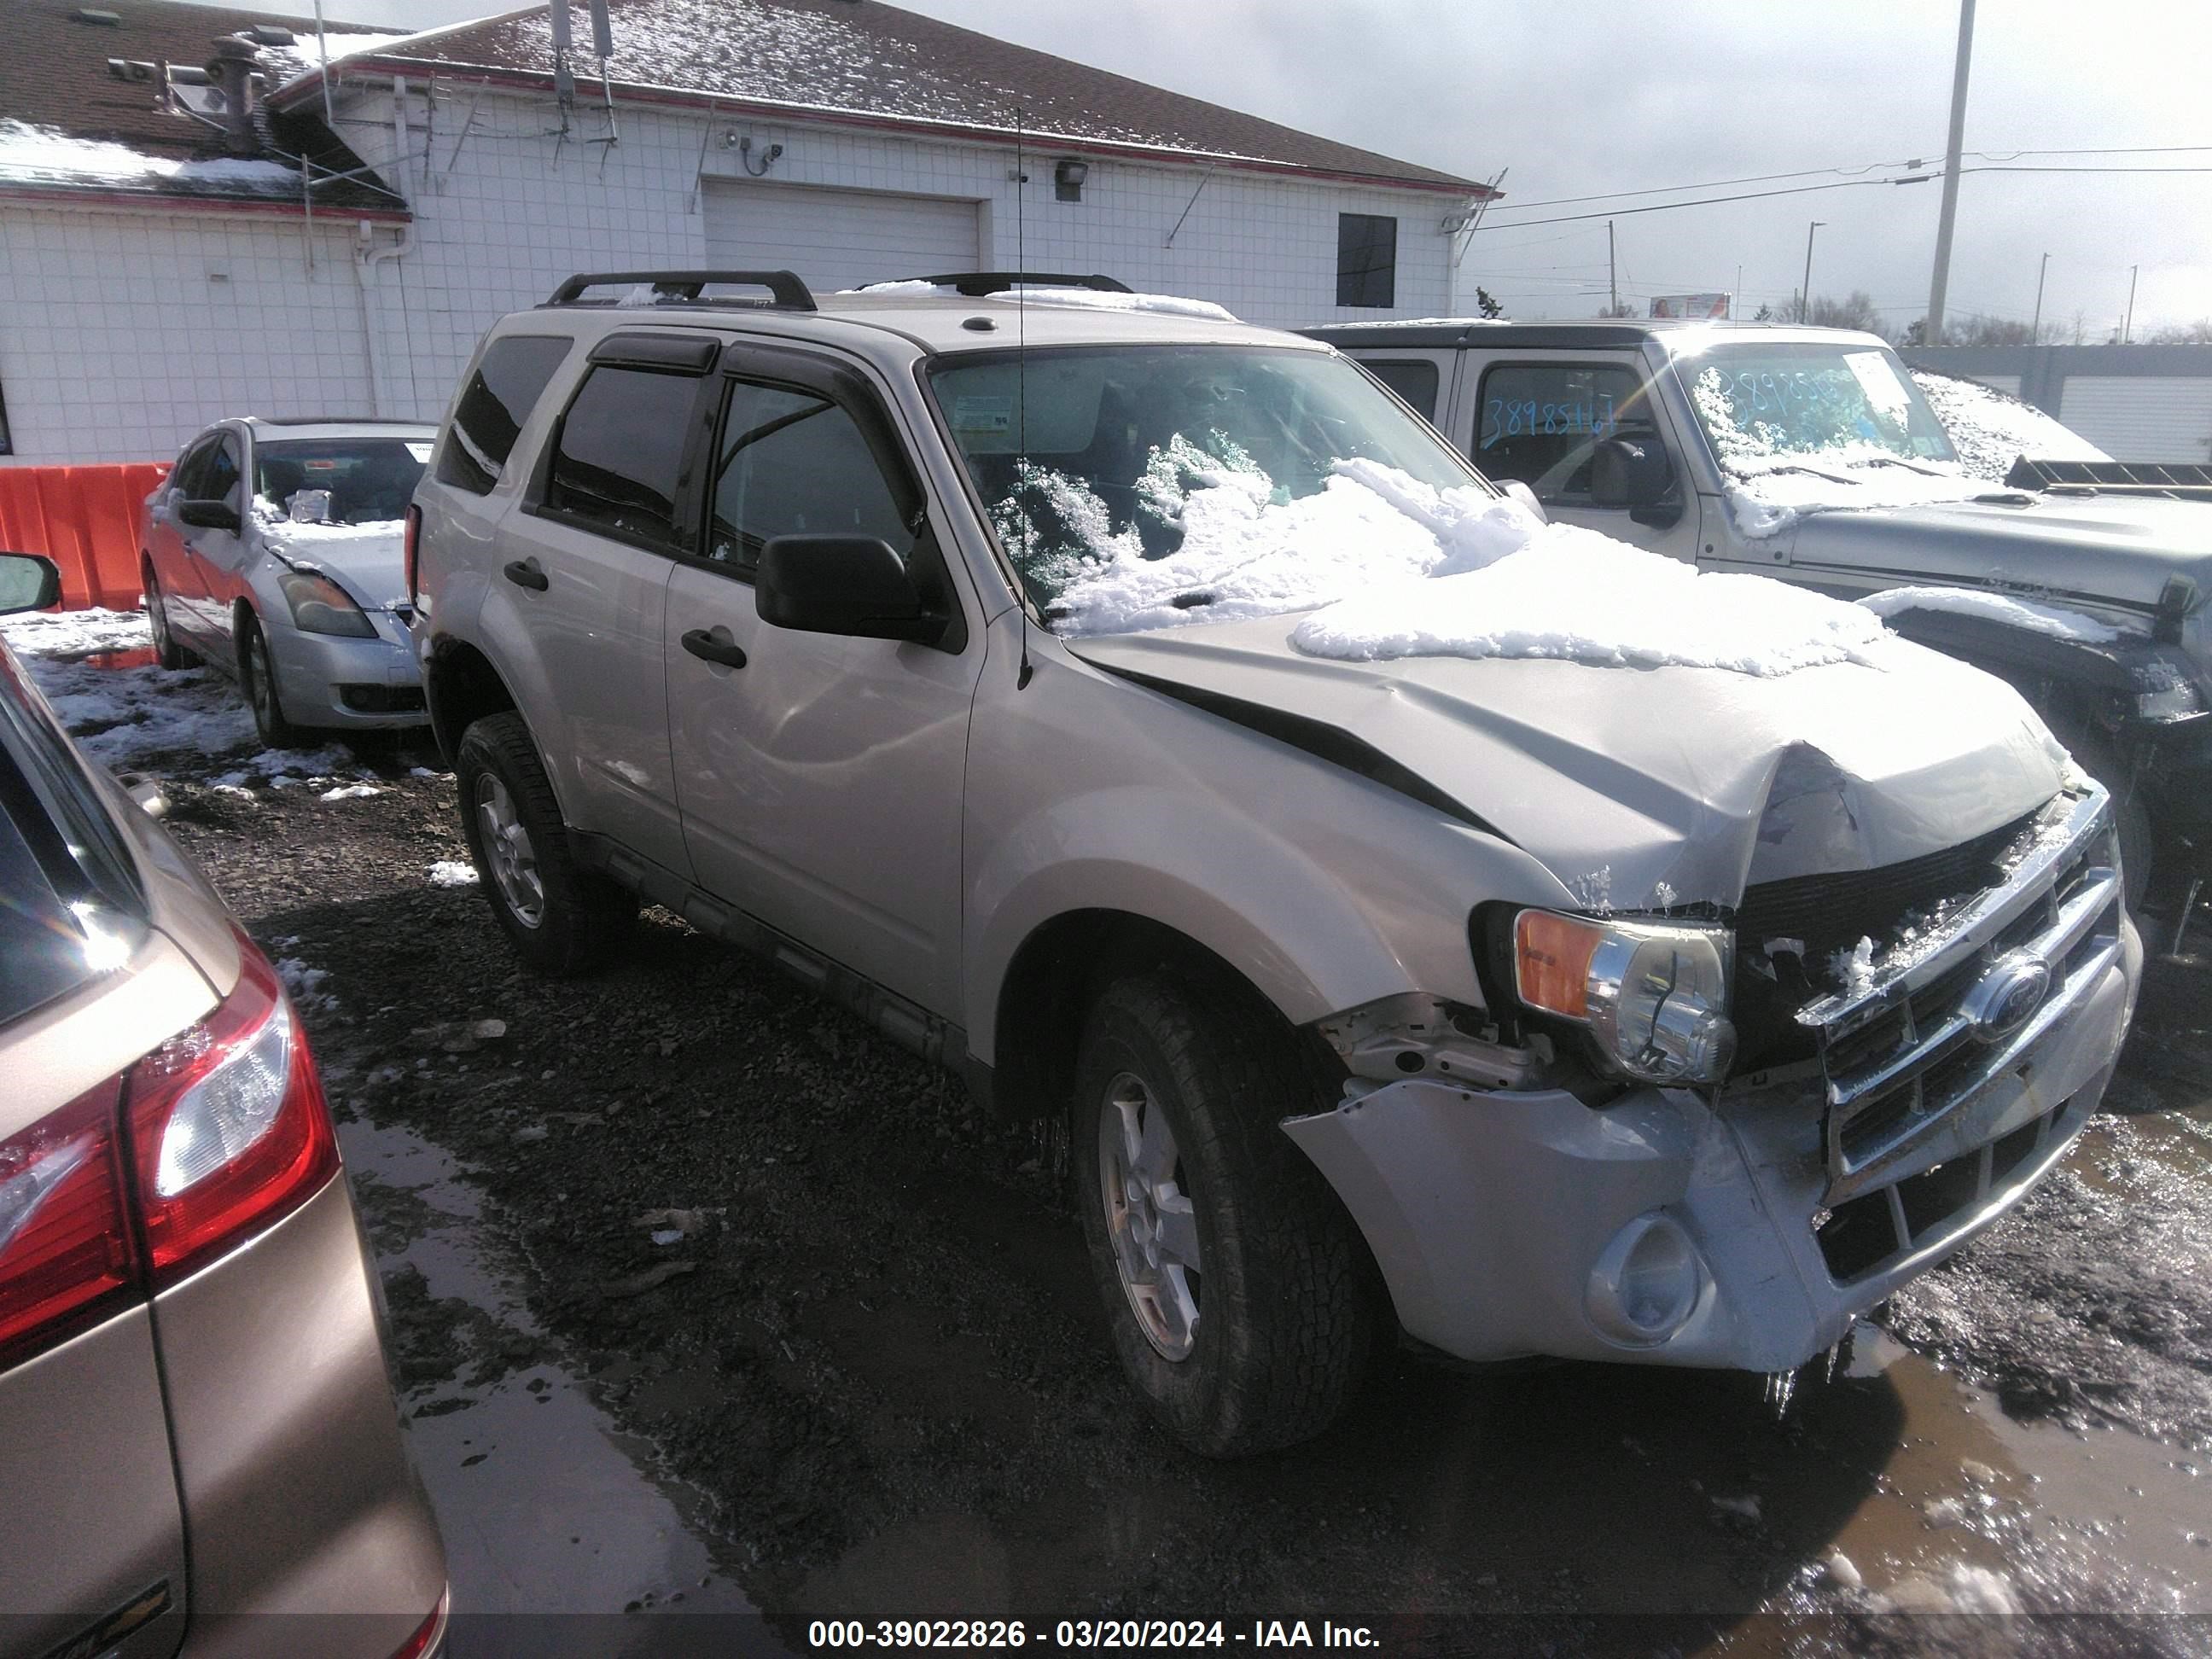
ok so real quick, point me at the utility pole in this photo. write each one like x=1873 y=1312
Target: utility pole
x=2035 y=328
x=1805 y=300
x=1933 y=334
x=2128 y=327
x=1612 y=287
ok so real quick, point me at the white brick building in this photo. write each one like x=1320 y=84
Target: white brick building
x=844 y=139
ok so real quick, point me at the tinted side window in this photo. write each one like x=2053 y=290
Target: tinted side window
x=793 y=463
x=618 y=461
x=1412 y=379
x=499 y=396
x=187 y=478
x=218 y=480
x=1366 y=260
x=1540 y=422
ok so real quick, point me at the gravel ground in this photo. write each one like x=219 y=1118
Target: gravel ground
x=851 y=1319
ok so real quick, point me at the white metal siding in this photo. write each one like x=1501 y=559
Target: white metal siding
x=837 y=238
x=2141 y=417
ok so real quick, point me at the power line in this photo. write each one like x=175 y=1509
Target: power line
x=2016 y=169
x=1711 y=184
x=2119 y=149
x=1708 y=201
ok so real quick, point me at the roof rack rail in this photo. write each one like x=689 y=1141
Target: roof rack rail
x=684 y=288
x=977 y=284
x=2184 y=480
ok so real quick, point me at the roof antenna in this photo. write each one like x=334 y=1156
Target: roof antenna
x=1022 y=395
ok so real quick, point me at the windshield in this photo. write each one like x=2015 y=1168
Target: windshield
x=1146 y=485
x=1760 y=403
x=368 y=480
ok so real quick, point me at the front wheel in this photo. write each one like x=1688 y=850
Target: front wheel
x=1237 y=1288
x=560 y=918
x=258 y=675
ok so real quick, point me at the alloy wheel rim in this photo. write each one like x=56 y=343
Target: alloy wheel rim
x=506 y=845
x=261 y=686
x=1150 y=1218
x=157 y=617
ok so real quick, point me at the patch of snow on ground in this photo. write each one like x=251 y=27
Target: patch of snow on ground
x=1991 y=430
x=35 y=154
x=65 y=633
x=304 y=985
x=351 y=792
x=452 y=873
x=2054 y=622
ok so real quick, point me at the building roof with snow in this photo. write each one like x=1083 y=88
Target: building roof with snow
x=121 y=102
x=865 y=62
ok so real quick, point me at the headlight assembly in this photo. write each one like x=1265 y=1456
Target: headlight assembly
x=1654 y=995
x=319 y=605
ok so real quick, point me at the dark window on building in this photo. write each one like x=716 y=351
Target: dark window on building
x=1540 y=423
x=791 y=463
x=1366 y=260
x=488 y=417
x=1411 y=379
x=619 y=461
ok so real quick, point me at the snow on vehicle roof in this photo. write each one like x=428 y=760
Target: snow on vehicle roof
x=1991 y=430
x=1040 y=293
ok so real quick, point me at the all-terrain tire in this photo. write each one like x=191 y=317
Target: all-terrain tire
x=580 y=918
x=257 y=677
x=1288 y=1300
x=167 y=651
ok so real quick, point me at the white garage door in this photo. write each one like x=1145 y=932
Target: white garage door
x=836 y=238
x=2142 y=417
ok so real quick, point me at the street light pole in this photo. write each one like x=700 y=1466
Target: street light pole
x=2128 y=327
x=1933 y=334
x=2035 y=328
x=1805 y=299
x=1611 y=285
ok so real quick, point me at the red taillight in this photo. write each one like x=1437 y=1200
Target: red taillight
x=228 y=1127
x=66 y=1248
x=430 y=1633
x=220 y=1131
x=413 y=545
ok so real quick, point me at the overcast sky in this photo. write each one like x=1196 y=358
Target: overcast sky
x=1615 y=96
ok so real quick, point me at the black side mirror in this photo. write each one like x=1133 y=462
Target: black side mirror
x=851 y=584
x=28 y=581
x=1630 y=472
x=209 y=515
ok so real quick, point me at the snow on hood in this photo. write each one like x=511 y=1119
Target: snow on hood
x=1991 y=430
x=2053 y=622
x=369 y=559
x=1767 y=495
x=1400 y=568
x=1040 y=293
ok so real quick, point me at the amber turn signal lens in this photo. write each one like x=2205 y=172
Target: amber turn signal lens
x=1551 y=959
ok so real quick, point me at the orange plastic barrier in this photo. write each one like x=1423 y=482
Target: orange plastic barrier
x=86 y=519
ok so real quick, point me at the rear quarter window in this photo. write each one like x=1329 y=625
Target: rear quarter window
x=494 y=407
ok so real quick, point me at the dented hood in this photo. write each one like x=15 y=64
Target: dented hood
x=1641 y=788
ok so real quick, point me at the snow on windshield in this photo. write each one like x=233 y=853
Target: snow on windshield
x=1804 y=427
x=1991 y=430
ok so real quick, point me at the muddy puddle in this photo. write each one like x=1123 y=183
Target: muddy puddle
x=547 y=1509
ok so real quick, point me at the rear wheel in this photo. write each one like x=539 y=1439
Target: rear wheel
x=1237 y=1288
x=257 y=675
x=560 y=918
x=167 y=651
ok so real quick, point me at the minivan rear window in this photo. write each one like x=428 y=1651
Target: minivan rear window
x=498 y=397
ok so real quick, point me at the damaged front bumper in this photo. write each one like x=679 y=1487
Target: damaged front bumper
x=1748 y=1229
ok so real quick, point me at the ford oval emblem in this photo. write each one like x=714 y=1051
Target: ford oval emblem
x=2006 y=997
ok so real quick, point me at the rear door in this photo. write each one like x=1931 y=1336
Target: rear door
x=821 y=777
x=91 y=1531
x=584 y=568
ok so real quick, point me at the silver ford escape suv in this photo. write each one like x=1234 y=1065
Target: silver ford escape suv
x=202 y=1456
x=1427 y=919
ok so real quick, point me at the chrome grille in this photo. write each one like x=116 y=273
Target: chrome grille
x=1941 y=1021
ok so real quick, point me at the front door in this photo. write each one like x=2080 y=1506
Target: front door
x=820 y=775
x=1539 y=420
x=217 y=557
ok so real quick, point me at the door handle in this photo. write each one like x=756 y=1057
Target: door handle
x=701 y=644
x=524 y=572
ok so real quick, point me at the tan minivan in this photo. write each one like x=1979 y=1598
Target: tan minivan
x=201 y=1453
